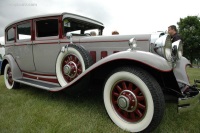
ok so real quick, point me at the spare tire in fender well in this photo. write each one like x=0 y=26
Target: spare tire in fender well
x=71 y=62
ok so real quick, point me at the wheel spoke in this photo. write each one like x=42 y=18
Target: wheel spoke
x=68 y=58
x=119 y=88
x=124 y=86
x=138 y=112
x=75 y=59
x=136 y=91
x=140 y=98
x=79 y=70
x=66 y=61
x=130 y=86
x=141 y=106
x=116 y=94
x=78 y=64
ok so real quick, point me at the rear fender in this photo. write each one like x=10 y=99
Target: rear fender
x=16 y=72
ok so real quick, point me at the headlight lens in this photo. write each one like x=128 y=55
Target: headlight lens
x=163 y=47
x=177 y=49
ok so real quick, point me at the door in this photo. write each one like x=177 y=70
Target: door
x=23 y=47
x=46 y=46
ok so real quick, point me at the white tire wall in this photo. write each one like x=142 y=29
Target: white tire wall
x=135 y=76
x=9 y=82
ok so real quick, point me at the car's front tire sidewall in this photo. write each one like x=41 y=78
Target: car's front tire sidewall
x=131 y=127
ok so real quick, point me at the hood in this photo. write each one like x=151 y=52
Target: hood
x=114 y=41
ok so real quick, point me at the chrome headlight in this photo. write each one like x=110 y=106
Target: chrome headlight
x=177 y=49
x=132 y=43
x=163 y=47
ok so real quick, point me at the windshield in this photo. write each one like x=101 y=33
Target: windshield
x=78 y=27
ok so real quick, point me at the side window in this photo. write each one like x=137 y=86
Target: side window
x=11 y=34
x=46 y=28
x=24 y=31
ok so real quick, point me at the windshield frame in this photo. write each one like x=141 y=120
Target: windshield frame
x=87 y=25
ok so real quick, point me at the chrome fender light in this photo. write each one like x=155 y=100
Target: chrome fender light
x=132 y=43
x=163 y=47
x=69 y=36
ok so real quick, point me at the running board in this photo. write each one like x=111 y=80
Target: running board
x=38 y=84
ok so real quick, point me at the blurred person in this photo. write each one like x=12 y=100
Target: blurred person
x=115 y=33
x=93 y=33
x=172 y=31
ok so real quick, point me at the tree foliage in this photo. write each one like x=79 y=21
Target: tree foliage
x=189 y=29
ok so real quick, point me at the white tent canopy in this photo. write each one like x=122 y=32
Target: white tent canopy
x=2 y=40
x=2 y=49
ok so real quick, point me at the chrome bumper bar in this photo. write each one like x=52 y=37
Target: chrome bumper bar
x=185 y=104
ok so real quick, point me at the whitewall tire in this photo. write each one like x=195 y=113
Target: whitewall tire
x=129 y=96
x=8 y=78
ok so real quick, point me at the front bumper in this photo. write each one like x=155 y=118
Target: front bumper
x=185 y=104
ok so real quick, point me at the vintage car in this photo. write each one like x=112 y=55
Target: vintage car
x=56 y=52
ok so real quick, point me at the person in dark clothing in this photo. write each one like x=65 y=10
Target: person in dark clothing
x=172 y=31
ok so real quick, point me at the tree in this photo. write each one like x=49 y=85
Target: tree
x=189 y=29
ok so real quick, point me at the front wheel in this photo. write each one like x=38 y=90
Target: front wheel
x=134 y=99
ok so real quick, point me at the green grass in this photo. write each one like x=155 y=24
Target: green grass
x=30 y=109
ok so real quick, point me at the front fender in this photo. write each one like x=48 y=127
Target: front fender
x=152 y=60
x=146 y=58
x=16 y=72
x=180 y=71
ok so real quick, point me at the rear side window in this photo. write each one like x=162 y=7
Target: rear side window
x=24 y=31
x=46 y=28
x=11 y=34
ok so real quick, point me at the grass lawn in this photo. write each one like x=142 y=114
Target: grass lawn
x=29 y=109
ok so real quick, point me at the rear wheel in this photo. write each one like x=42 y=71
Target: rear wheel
x=133 y=100
x=8 y=78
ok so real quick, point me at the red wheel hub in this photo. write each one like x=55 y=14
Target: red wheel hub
x=71 y=67
x=128 y=101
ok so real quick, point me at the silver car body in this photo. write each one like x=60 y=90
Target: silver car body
x=35 y=58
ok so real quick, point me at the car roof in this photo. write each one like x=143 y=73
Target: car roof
x=53 y=15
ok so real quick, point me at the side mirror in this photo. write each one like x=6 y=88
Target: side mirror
x=69 y=36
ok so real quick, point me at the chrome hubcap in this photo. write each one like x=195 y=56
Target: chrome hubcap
x=67 y=69
x=123 y=102
x=70 y=69
x=127 y=101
